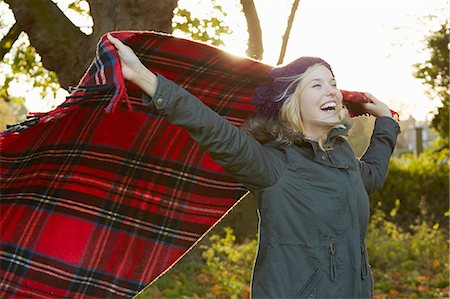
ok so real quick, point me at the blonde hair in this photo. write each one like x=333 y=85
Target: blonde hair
x=290 y=113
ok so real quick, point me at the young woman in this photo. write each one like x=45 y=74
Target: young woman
x=311 y=191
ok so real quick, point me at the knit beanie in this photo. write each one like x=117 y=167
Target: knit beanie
x=266 y=96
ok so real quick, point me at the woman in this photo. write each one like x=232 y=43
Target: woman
x=311 y=191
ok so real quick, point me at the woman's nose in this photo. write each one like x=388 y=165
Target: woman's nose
x=332 y=90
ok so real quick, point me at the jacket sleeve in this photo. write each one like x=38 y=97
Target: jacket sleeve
x=375 y=161
x=238 y=153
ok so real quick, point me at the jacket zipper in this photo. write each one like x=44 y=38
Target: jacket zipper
x=364 y=270
x=333 y=270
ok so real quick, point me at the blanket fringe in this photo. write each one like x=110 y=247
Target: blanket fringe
x=119 y=96
x=121 y=91
x=78 y=93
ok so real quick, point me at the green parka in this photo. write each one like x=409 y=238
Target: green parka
x=313 y=205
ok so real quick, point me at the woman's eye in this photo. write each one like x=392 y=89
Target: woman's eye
x=316 y=85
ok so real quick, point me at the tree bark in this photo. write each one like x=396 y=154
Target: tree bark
x=288 y=32
x=112 y=15
x=68 y=51
x=255 y=46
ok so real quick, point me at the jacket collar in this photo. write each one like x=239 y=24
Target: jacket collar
x=337 y=131
x=269 y=130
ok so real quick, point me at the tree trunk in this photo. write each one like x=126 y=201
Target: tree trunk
x=255 y=45
x=65 y=49
x=112 y=15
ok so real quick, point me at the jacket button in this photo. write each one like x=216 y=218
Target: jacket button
x=159 y=102
x=323 y=157
x=347 y=167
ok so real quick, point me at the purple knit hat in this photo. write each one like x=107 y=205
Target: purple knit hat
x=265 y=96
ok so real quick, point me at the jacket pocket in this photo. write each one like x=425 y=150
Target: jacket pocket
x=306 y=286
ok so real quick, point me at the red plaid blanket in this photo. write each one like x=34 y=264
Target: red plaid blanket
x=100 y=197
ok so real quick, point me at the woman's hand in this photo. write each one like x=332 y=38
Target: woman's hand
x=377 y=108
x=132 y=68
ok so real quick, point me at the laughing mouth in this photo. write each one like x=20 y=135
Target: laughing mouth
x=329 y=106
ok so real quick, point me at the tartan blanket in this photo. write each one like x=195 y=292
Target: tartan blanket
x=100 y=197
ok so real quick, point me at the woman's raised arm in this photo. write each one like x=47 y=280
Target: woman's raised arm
x=239 y=154
x=375 y=161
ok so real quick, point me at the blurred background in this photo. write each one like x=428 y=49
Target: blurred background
x=398 y=50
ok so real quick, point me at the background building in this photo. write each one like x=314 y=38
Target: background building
x=416 y=136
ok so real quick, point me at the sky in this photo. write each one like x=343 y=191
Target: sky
x=370 y=44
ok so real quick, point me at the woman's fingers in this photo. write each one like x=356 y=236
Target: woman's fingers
x=376 y=107
x=131 y=65
x=132 y=68
x=116 y=42
x=125 y=52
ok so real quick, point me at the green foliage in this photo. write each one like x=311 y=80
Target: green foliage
x=78 y=12
x=229 y=264
x=434 y=74
x=406 y=264
x=217 y=268
x=26 y=60
x=186 y=280
x=420 y=183
x=210 y=28
x=22 y=65
x=80 y=7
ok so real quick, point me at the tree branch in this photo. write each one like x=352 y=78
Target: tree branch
x=288 y=31
x=9 y=39
x=255 y=46
x=65 y=49
x=54 y=36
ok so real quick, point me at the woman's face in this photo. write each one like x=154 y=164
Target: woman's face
x=320 y=100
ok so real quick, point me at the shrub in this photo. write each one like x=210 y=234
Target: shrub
x=421 y=184
x=407 y=264
x=229 y=264
x=218 y=267
x=187 y=279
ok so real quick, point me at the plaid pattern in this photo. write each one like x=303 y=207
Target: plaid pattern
x=100 y=196
x=97 y=204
